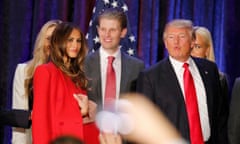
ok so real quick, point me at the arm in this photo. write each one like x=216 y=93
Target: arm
x=222 y=112
x=137 y=120
x=144 y=85
x=41 y=118
x=20 y=101
x=11 y=118
x=234 y=115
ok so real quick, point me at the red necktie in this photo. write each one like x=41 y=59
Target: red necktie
x=192 y=107
x=110 y=91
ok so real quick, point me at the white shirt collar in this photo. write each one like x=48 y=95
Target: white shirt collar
x=104 y=54
x=178 y=64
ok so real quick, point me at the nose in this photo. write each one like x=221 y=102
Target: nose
x=107 y=33
x=176 y=39
x=75 y=43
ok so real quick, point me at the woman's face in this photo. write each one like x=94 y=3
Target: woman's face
x=73 y=44
x=200 y=48
x=47 y=39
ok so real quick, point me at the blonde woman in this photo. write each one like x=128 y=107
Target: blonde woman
x=203 y=45
x=203 y=48
x=22 y=83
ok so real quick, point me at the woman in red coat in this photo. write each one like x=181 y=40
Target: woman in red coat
x=56 y=111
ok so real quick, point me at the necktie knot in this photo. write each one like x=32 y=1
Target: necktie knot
x=185 y=65
x=110 y=59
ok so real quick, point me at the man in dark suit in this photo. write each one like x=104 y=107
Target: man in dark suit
x=234 y=114
x=163 y=84
x=15 y=118
x=112 y=26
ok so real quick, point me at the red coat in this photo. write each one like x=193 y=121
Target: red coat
x=55 y=111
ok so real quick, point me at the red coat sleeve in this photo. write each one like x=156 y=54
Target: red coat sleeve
x=41 y=131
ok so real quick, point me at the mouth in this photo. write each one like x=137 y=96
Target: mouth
x=74 y=50
x=108 y=40
x=177 y=47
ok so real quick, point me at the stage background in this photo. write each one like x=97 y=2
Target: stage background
x=20 y=21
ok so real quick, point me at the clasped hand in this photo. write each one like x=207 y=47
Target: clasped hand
x=88 y=108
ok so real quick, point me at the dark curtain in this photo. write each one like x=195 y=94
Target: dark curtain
x=21 y=20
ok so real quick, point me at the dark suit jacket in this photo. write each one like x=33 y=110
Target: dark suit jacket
x=131 y=68
x=160 y=84
x=234 y=115
x=15 y=118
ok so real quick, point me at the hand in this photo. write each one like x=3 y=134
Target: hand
x=82 y=102
x=146 y=116
x=30 y=116
x=110 y=138
x=92 y=110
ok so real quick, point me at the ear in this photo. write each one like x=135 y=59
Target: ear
x=192 y=44
x=123 y=32
x=165 y=43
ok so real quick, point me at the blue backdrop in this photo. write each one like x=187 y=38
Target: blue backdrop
x=20 y=21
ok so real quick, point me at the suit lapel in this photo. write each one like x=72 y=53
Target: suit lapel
x=207 y=84
x=124 y=72
x=173 y=85
x=96 y=74
x=171 y=80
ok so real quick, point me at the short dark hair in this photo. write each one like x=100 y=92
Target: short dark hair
x=114 y=13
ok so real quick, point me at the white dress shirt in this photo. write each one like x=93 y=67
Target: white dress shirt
x=200 y=91
x=117 y=67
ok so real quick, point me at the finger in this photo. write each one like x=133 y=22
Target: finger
x=101 y=138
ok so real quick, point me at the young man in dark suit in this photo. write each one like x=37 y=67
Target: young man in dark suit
x=124 y=69
x=112 y=26
x=164 y=84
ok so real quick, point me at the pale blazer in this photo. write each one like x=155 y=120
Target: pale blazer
x=20 y=101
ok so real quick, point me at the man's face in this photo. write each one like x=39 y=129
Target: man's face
x=110 y=33
x=178 y=43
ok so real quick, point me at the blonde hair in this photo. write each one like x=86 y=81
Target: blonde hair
x=179 y=23
x=206 y=35
x=39 y=55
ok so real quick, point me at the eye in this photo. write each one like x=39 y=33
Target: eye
x=79 y=40
x=170 y=37
x=197 y=46
x=182 y=36
x=70 y=40
x=102 y=29
x=113 y=30
x=48 y=38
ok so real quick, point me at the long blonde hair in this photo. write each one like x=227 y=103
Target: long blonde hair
x=39 y=55
x=206 y=35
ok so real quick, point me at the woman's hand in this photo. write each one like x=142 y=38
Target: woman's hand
x=109 y=138
x=82 y=102
x=92 y=110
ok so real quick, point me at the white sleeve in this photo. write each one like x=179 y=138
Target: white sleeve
x=20 y=101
